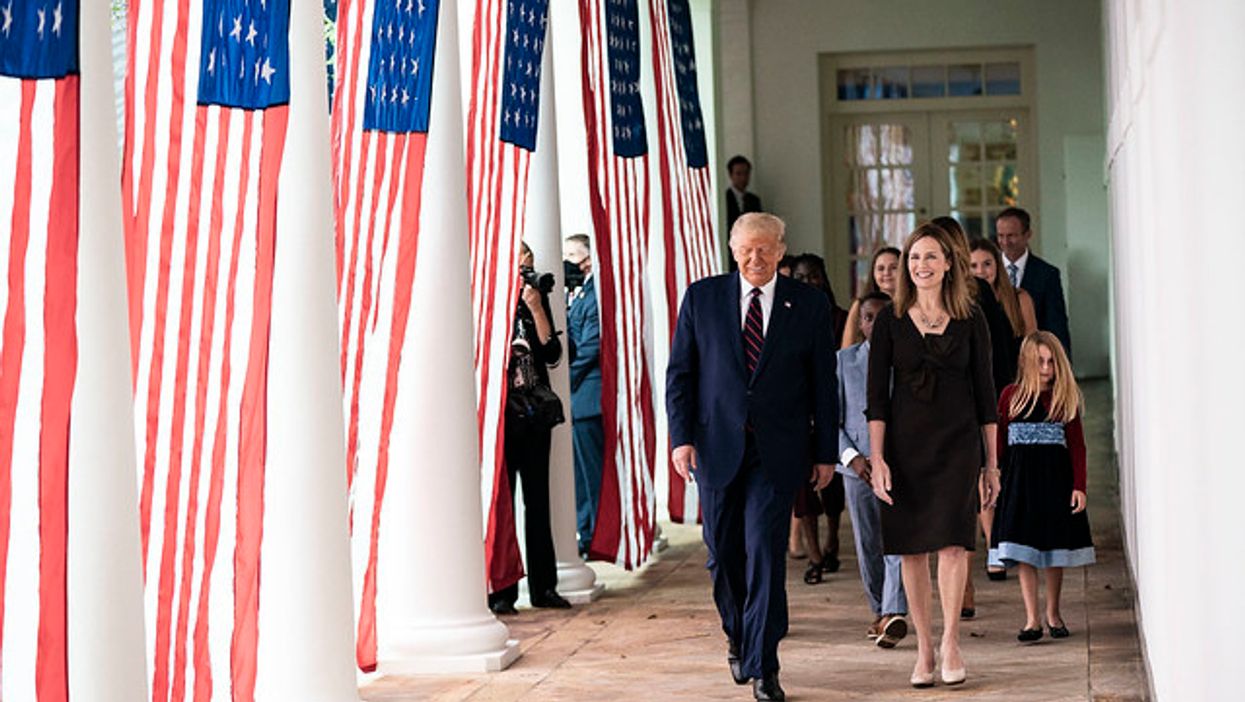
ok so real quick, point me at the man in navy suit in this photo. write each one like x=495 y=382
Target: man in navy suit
x=752 y=404
x=583 y=330
x=1027 y=271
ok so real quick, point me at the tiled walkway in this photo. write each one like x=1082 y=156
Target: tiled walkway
x=655 y=635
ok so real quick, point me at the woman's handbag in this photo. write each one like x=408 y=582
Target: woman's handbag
x=529 y=401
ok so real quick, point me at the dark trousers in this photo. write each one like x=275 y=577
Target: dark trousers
x=745 y=530
x=588 y=436
x=527 y=456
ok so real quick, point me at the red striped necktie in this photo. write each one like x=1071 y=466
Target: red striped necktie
x=754 y=331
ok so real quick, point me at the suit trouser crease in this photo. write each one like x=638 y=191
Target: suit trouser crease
x=527 y=457
x=588 y=439
x=749 y=583
x=879 y=573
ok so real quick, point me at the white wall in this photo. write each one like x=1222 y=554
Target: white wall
x=788 y=35
x=1176 y=165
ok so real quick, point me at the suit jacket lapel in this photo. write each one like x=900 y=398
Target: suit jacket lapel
x=779 y=316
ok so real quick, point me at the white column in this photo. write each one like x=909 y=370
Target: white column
x=432 y=587
x=576 y=581
x=105 y=634
x=306 y=631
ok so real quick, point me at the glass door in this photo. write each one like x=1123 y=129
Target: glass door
x=882 y=187
x=981 y=165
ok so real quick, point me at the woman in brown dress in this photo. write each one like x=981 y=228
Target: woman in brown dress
x=933 y=432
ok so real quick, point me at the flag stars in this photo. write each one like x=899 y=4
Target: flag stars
x=8 y=19
x=236 y=32
x=56 y=20
x=251 y=34
x=266 y=71
x=42 y=12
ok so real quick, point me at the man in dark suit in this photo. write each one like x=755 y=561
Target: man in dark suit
x=1033 y=274
x=738 y=199
x=753 y=408
x=583 y=330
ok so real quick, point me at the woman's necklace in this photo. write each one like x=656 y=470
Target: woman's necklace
x=925 y=321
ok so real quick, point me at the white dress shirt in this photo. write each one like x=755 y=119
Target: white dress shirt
x=739 y=197
x=766 y=297
x=1019 y=263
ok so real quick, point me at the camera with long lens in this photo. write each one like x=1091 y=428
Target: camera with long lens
x=541 y=281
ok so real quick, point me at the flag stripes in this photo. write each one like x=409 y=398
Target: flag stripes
x=688 y=241
x=378 y=171
x=618 y=200
x=38 y=361
x=199 y=188
x=497 y=179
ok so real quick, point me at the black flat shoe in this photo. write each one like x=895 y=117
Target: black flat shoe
x=968 y=612
x=1059 y=632
x=550 y=599
x=503 y=609
x=767 y=688
x=1029 y=635
x=812 y=574
x=996 y=575
x=830 y=565
x=737 y=667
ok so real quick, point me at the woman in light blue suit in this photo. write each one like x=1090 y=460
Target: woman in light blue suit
x=879 y=573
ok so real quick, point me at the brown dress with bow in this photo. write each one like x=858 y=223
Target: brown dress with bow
x=943 y=392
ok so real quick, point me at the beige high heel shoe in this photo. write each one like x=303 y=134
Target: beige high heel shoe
x=953 y=677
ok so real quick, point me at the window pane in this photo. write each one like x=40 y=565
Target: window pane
x=929 y=81
x=965 y=141
x=891 y=82
x=895 y=145
x=964 y=80
x=1003 y=187
x=1003 y=78
x=965 y=187
x=1000 y=140
x=854 y=84
x=898 y=192
x=862 y=145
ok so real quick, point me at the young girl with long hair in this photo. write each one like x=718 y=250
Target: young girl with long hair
x=1040 y=521
x=883 y=277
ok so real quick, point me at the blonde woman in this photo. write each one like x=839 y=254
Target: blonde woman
x=927 y=430
x=883 y=277
x=1041 y=519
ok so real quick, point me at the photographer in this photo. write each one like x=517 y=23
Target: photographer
x=532 y=410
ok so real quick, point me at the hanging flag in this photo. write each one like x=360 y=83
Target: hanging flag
x=380 y=133
x=202 y=154
x=618 y=196
x=688 y=239
x=508 y=38
x=39 y=91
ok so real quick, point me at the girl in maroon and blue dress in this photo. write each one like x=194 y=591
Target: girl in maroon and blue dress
x=1040 y=521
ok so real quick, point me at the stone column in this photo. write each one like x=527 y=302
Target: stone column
x=104 y=577
x=576 y=581
x=432 y=582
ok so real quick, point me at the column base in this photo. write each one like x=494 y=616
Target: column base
x=577 y=582
x=487 y=662
x=475 y=645
x=660 y=543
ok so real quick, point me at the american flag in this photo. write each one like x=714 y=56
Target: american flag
x=39 y=123
x=686 y=190
x=206 y=114
x=380 y=124
x=618 y=187
x=508 y=38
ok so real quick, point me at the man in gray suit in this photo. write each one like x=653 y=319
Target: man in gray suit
x=879 y=573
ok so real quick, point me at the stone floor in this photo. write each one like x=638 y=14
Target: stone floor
x=655 y=634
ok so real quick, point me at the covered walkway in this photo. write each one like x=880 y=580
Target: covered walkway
x=655 y=635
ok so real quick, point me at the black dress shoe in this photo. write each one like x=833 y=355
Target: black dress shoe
x=737 y=667
x=1059 y=632
x=767 y=688
x=502 y=608
x=550 y=599
x=1029 y=635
